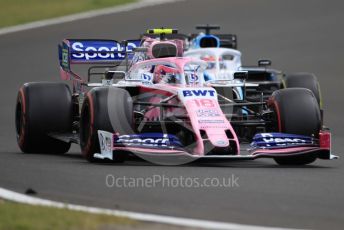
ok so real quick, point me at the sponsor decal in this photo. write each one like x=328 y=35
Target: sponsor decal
x=266 y=140
x=65 y=58
x=208 y=113
x=105 y=142
x=146 y=77
x=222 y=143
x=213 y=127
x=199 y=93
x=211 y=121
x=203 y=97
x=148 y=139
x=193 y=78
x=100 y=50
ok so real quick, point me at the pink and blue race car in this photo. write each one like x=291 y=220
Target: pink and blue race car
x=140 y=98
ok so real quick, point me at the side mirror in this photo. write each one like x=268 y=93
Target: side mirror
x=241 y=75
x=264 y=63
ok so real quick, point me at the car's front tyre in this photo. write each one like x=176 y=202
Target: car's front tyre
x=96 y=115
x=296 y=112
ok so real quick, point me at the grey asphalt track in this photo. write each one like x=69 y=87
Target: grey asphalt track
x=297 y=36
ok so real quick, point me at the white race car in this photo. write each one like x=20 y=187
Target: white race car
x=222 y=62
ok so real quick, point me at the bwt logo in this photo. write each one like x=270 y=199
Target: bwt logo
x=199 y=93
x=91 y=51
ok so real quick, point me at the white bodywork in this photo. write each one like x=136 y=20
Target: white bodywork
x=222 y=62
x=106 y=143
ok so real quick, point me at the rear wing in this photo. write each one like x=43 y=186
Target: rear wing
x=167 y=36
x=164 y=33
x=94 y=51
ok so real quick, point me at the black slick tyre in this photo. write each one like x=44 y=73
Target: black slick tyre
x=297 y=112
x=96 y=115
x=43 y=108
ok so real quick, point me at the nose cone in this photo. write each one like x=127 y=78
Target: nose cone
x=218 y=138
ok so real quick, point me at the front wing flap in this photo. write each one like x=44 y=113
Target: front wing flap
x=276 y=145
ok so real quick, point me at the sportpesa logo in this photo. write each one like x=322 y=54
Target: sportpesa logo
x=99 y=50
x=267 y=140
x=148 y=139
x=270 y=138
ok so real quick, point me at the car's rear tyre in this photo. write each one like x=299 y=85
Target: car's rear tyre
x=96 y=115
x=43 y=108
x=297 y=112
x=305 y=80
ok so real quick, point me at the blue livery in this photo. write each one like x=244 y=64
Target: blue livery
x=99 y=50
x=278 y=140
x=205 y=41
x=94 y=51
x=198 y=93
x=147 y=140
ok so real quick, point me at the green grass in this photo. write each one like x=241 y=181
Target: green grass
x=14 y=12
x=14 y=216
